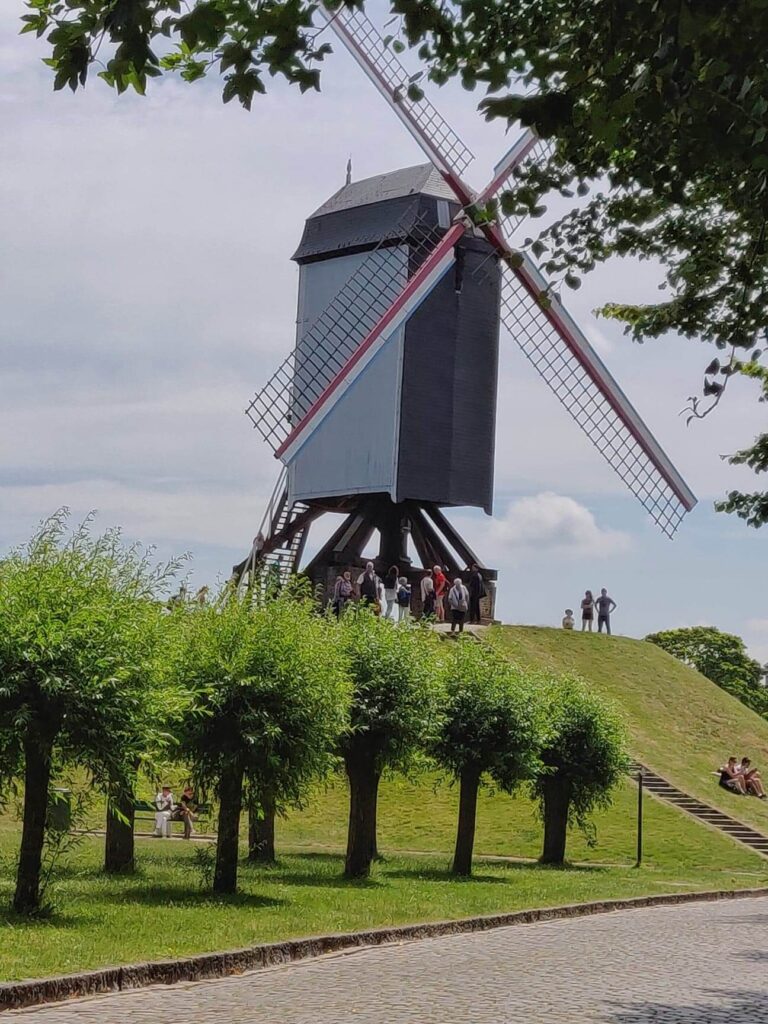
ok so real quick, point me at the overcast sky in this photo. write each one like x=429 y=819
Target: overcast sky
x=146 y=291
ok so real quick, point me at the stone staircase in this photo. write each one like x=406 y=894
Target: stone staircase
x=664 y=790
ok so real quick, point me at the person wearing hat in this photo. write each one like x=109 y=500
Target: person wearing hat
x=164 y=806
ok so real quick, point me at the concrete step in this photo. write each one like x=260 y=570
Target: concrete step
x=663 y=790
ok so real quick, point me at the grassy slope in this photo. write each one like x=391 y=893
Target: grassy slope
x=680 y=724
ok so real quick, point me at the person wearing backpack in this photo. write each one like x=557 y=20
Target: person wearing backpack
x=458 y=602
x=342 y=592
x=403 y=599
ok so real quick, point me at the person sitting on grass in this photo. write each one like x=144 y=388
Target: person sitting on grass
x=164 y=807
x=752 y=779
x=731 y=779
x=185 y=811
x=568 y=622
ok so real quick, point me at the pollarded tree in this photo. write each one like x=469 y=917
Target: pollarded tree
x=583 y=758
x=78 y=631
x=147 y=741
x=394 y=672
x=270 y=699
x=490 y=728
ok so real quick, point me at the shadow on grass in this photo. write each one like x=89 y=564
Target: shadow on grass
x=188 y=896
x=52 y=918
x=321 y=870
x=507 y=867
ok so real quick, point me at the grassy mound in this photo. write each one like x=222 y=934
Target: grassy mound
x=680 y=724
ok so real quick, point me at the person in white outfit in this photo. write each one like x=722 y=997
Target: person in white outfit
x=164 y=805
x=390 y=591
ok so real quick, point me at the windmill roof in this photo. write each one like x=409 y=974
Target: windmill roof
x=421 y=179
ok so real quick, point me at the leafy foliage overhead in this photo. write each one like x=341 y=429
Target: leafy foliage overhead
x=132 y=41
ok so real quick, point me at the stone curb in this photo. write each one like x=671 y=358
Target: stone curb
x=16 y=995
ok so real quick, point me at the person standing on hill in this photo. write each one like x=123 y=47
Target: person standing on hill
x=587 y=611
x=368 y=585
x=427 y=596
x=441 y=585
x=476 y=588
x=458 y=600
x=390 y=591
x=605 y=605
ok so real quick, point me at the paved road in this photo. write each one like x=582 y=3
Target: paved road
x=697 y=964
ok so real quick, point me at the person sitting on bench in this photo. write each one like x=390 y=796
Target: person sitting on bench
x=163 y=810
x=752 y=779
x=185 y=811
x=731 y=779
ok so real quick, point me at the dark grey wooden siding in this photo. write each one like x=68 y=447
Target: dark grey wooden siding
x=448 y=403
x=363 y=227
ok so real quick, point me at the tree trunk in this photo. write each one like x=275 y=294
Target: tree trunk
x=37 y=777
x=230 y=805
x=261 y=831
x=363 y=796
x=557 y=800
x=465 y=833
x=119 y=843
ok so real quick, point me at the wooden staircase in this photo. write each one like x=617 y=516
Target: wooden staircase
x=664 y=790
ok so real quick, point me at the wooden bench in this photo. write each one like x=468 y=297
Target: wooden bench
x=145 y=810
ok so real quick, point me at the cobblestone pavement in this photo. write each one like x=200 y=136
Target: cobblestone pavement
x=695 y=964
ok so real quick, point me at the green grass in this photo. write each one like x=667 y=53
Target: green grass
x=680 y=724
x=162 y=911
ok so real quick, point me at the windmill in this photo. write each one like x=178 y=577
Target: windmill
x=402 y=290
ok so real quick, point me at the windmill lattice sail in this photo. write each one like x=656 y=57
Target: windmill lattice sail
x=571 y=374
x=328 y=345
x=445 y=148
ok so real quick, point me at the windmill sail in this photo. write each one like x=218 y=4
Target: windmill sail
x=549 y=338
x=576 y=375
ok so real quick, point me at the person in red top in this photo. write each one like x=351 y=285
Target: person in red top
x=441 y=584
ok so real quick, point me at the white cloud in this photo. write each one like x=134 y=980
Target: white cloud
x=551 y=522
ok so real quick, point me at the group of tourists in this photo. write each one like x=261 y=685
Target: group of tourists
x=168 y=811
x=590 y=605
x=740 y=777
x=391 y=597
x=458 y=602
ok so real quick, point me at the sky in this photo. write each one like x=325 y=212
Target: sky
x=147 y=291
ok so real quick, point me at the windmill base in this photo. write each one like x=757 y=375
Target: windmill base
x=434 y=539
